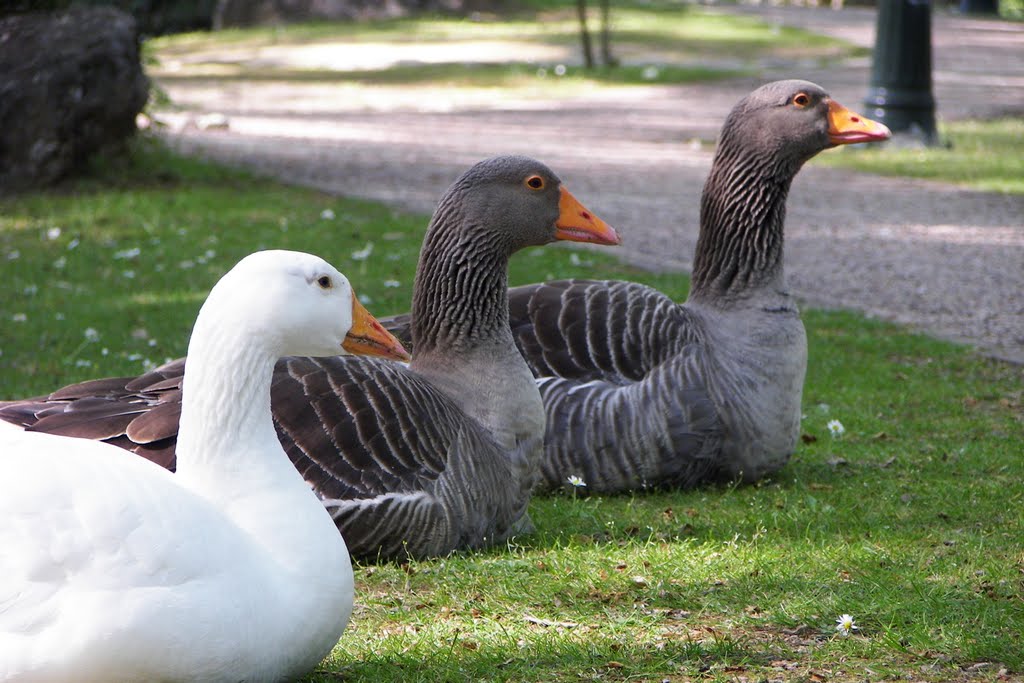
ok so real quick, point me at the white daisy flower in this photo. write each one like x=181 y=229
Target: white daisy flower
x=844 y=625
x=364 y=253
x=128 y=253
x=836 y=428
x=576 y=481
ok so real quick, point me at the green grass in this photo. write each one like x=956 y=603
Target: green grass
x=684 y=45
x=984 y=155
x=911 y=521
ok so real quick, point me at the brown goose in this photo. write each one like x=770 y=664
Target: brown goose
x=410 y=461
x=641 y=391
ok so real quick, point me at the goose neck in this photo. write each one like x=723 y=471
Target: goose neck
x=743 y=210
x=228 y=450
x=225 y=416
x=459 y=300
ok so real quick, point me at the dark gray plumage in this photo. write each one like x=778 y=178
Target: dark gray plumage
x=411 y=461
x=640 y=391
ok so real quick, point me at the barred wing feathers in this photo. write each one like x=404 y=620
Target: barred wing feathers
x=398 y=464
x=621 y=370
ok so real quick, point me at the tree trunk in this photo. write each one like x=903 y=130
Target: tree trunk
x=588 y=51
x=606 y=37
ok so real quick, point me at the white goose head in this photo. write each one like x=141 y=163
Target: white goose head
x=271 y=304
x=296 y=304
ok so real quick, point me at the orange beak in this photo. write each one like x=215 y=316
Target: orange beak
x=367 y=337
x=576 y=224
x=846 y=127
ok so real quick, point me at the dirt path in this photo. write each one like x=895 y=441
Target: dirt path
x=940 y=258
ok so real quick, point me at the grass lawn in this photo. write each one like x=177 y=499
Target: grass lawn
x=984 y=155
x=911 y=521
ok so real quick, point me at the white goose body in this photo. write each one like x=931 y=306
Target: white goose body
x=115 y=569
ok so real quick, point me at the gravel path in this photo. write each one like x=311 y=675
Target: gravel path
x=940 y=258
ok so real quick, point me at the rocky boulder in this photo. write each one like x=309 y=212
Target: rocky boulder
x=71 y=84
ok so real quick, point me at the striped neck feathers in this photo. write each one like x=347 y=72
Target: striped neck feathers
x=742 y=212
x=459 y=299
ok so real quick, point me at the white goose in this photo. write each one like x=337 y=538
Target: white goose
x=230 y=569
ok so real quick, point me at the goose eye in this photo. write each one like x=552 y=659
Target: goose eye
x=324 y=281
x=801 y=100
x=535 y=182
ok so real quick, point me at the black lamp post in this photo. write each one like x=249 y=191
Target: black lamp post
x=900 y=93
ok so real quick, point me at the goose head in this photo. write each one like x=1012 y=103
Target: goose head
x=523 y=203
x=299 y=304
x=793 y=121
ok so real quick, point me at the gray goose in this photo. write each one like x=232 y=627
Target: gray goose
x=411 y=461
x=641 y=391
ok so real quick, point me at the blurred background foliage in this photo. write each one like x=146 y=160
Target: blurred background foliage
x=159 y=17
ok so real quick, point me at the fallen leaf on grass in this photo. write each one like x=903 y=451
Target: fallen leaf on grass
x=784 y=664
x=548 y=622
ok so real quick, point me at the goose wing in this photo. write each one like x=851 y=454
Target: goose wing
x=139 y=414
x=400 y=467
x=99 y=541
x=353 y=429
x=357 y=428
x=372 y=438
x=622 y=371
x=596 y=329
